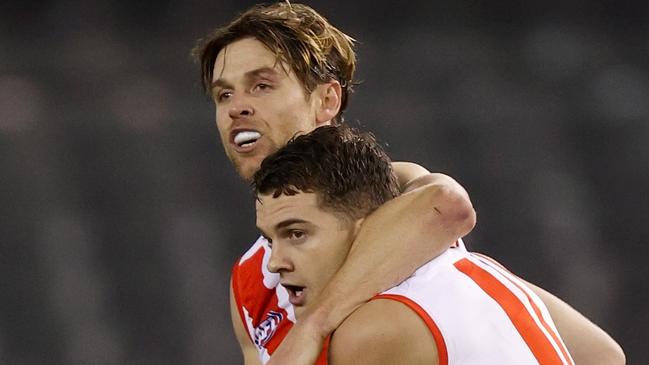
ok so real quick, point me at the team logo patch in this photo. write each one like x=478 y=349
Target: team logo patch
x=267 y=328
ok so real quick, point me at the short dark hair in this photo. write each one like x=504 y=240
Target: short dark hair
x=347 y=168
x=316 y=51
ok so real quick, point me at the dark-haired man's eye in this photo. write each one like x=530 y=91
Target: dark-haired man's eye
x=296 y=234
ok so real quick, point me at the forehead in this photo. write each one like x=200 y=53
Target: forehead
x=272 y=210
x=242 y=56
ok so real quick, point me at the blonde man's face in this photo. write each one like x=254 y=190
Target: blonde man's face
x=259 y=105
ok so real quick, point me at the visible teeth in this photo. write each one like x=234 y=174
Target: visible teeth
x=246 y=137
x=296 y=290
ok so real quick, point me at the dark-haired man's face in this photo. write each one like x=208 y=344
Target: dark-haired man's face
x=259 y=106
x=309 y=243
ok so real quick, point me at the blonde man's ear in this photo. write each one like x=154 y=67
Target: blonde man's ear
x=328 y=103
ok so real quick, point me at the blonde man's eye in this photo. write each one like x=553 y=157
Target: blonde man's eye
x=224 y=95
x=263 y=86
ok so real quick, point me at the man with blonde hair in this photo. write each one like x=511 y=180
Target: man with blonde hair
x=282 y=69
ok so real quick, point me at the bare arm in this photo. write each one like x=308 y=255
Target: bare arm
x=393 y=242
x=588 y=344
x=383 y=332
x=249 y=351
x=408 y=175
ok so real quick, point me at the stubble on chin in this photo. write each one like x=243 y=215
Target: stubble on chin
x=245 y=169
x=245 y=173
x=239 y=166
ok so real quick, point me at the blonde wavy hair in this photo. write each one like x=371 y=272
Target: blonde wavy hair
x=316 y=51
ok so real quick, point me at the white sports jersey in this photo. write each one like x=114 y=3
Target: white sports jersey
x=480 y=313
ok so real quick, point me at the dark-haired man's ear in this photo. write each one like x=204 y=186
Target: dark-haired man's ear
x=328 y=103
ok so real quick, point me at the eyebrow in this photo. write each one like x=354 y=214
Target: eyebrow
x=282 y=224
x=288 y=222
x=248 y=75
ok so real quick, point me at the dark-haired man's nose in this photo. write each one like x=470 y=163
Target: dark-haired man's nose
x=279 y=261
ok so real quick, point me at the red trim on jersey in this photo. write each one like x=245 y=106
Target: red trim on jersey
x=442 y=352
x=538 y=343
x=323 y=359
x=251 y=293
x=237 y=299
x=547 y=327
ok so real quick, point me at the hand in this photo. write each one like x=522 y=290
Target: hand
x=302 y=345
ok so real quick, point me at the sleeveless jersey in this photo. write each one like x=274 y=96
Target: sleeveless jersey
x=480 y=313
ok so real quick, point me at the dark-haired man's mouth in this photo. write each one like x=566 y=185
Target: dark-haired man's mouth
x=296 y=294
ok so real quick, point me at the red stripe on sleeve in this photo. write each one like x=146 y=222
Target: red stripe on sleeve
x=237 y=299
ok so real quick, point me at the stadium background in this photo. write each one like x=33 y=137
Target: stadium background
x=120 y=217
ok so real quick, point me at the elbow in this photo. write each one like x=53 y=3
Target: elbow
x=453 y=209
x=463 y=219
x=469 y=223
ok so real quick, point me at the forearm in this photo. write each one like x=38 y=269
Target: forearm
x=394 y=241
x=586 y=342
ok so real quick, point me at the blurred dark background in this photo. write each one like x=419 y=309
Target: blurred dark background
x=120 y=216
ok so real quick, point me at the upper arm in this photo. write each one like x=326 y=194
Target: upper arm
x=406 y=172
x=586 y=342
x=250 y=356
x=382 y=332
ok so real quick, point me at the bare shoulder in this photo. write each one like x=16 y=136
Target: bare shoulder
x=383 y=331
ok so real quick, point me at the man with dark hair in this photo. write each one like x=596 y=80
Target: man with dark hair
x=459 y=308
x=348 y=170
x=282 y=69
